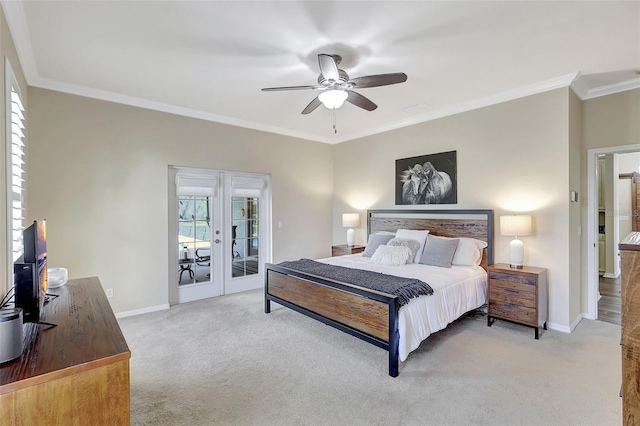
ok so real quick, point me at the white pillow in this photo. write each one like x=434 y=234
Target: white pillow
x=414 y=234
x=413 y=245
x=468 y=252
x=391 y=255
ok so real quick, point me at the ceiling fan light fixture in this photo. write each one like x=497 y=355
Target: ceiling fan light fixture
x=333 y=99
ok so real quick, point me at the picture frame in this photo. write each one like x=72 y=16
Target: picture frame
x=427 y=179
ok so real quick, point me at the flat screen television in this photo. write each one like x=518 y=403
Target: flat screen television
x=30 y=272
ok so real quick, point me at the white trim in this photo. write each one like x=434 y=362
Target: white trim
x=532 y=89
x=168 y=108
x=14 y=12
x=592 y=223
x=143 y=311
x=610 y=275
x=611 y=89
x=564 y=328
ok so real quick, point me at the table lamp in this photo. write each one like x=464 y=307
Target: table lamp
x=350 y=220
x=515 y=226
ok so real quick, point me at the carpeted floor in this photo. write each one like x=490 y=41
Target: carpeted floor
x=223 y=361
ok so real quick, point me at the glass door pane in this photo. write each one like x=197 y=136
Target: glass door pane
x=194 y=239
x=245 y=234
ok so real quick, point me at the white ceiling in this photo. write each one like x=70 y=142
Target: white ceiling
x=209 y=59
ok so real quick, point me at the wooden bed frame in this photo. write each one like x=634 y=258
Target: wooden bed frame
x=368 y=314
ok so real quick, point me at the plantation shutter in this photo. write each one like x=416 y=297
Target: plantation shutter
x=17 y=173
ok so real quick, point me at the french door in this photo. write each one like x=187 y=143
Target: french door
x=219 y=234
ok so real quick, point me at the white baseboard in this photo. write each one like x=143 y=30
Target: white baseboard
x=610 y=275
x=142 y=311
x=564 y=328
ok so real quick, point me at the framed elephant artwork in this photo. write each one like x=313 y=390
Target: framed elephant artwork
x=427 y=179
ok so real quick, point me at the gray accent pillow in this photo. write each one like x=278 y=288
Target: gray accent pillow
x=413 y=245
x=375 y=241
x=439 y=251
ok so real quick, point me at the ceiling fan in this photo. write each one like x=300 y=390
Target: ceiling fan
x=335 y=85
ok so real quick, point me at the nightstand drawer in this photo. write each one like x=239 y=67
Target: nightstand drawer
x=518 y=280
x=522 y=298
x=513 y=284
x=513 y=312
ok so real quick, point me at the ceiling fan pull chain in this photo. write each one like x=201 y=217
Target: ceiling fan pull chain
x=335 y=130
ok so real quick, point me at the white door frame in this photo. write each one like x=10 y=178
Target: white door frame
x=592 y=223
x=221 y=218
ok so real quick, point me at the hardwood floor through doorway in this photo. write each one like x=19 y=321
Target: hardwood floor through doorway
x=610 y=303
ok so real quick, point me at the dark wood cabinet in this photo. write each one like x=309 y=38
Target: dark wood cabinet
x=517 y=295
x=343 y=249
x=630 y=324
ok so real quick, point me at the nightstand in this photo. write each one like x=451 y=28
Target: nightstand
x=343 y=249
x=517 y=295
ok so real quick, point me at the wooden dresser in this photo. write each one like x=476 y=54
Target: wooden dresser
x=630 y=283
x=517 y=295
x=76 y=373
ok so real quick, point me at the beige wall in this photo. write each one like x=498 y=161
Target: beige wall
x=608 y=121
x=98 y=174
x=577 y=236
x=7 y=50
x=512 y=157
x=612 y=120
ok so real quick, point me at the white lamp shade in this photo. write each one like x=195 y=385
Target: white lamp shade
x=515 y=225
x=333 y=99
x=350 y=220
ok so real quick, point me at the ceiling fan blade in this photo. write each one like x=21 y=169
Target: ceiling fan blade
x=378 y=80
x=275 y=89
x=315 y=103
x=360 y=101
x=328 y=67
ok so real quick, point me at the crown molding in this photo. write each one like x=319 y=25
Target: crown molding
x=610 y=89
x=533 y=89
x=168 y=108
x=580 y=87
x=19 y=30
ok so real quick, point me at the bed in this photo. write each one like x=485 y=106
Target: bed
x=377 y=317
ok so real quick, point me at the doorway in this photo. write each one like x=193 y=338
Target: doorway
x=219 y=234
x=593 y=223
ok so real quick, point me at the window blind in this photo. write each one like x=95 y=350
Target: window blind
x=17 y=170
x=247 y=186
x=204 y=185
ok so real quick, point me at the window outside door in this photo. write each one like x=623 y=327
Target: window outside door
x=194 y=239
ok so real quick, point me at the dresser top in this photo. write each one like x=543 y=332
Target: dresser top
x=630 y=242
x=86 y=335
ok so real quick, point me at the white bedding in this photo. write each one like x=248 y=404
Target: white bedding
x=456 y=290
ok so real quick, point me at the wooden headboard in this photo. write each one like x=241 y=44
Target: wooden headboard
x=446 y=223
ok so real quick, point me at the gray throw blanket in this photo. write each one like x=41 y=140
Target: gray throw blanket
x=404 y=288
